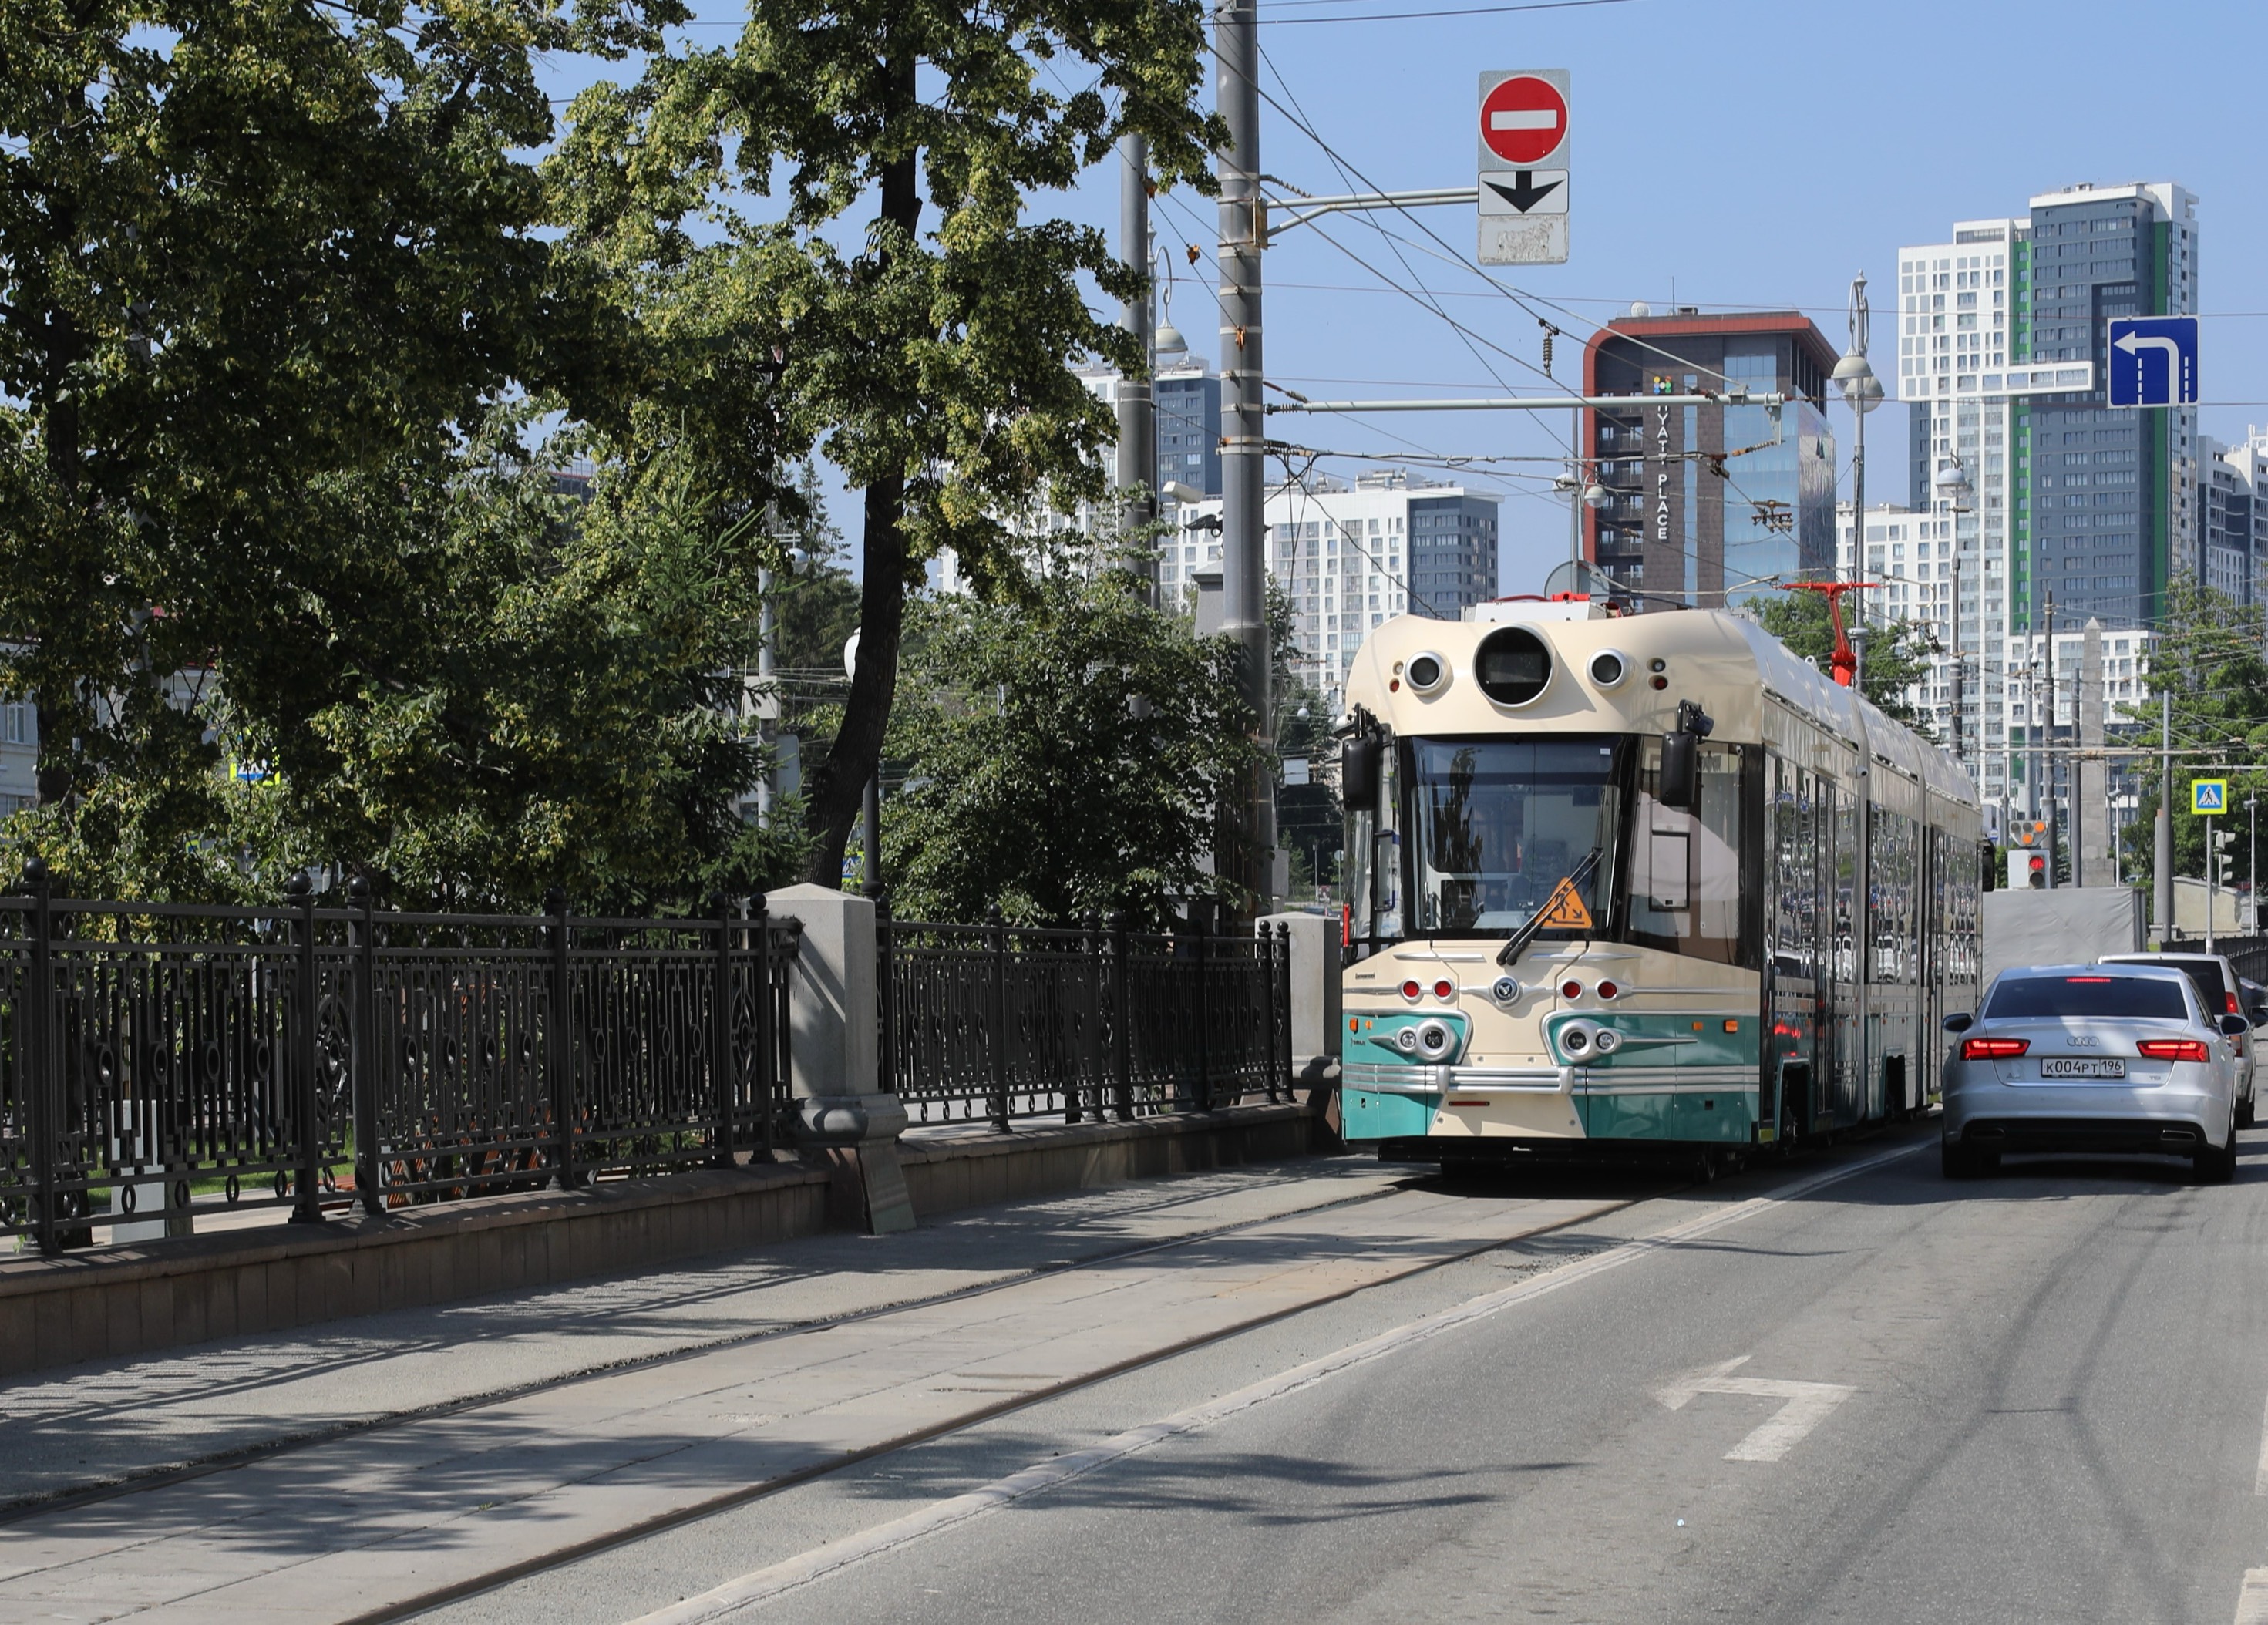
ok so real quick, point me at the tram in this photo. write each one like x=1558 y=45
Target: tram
x=1643 y=885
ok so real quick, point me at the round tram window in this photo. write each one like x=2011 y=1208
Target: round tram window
x=1512 y=665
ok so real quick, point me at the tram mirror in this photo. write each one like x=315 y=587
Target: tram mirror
x=1681 y=770
x=1359 y=764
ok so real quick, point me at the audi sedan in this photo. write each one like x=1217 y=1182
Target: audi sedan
x=2092 y=1058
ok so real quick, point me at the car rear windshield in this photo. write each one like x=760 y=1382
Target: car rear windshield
x=2149 y=997
x=2205 y=973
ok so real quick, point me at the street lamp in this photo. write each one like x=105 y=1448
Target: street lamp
x=1580 y=495
x=1862 y=392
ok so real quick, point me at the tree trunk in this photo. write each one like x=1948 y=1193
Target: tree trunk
x=837 y=791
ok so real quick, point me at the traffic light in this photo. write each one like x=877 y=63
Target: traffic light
x=2026 y=866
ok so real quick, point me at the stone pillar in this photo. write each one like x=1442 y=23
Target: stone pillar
x=2094 y=859
x=843 y=1121
x=1315 y=1000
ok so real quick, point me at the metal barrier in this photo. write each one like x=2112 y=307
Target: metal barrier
x=256 y=1053
x=992 y=1022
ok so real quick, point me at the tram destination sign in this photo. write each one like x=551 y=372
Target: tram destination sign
x=1524 y=140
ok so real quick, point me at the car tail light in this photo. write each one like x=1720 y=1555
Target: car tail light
x=2171 y=1049
x=1571 y=989
x=1442 y=990
x=1410 y=989
x=2234 y=1009
x=1993 y=1048
x=1607 y=989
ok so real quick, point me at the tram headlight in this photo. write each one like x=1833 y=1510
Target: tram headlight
x=1609 y=668
x=1426 y=673
x=1607 y=1040
x=1435 y=1039
x=1406 y=1040
x=1575 y=1038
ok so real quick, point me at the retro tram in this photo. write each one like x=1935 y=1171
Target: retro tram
x=1637 y=886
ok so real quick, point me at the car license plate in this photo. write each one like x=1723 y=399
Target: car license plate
x=2082 y=1066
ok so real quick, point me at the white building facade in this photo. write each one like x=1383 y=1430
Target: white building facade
x=1351 y=557
x=2030 y=496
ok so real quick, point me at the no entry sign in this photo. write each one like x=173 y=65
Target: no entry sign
x=1523 y=120
x=1523 y=187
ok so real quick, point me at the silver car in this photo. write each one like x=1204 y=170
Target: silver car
x=2092 y=1058
x=2220 y=985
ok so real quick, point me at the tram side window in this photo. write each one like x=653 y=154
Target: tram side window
x=1685 y=886
x=1795 y=889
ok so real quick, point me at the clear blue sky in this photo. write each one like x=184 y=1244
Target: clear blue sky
x=1747 y=154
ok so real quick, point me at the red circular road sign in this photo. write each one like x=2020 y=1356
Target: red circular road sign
x=1523 y=120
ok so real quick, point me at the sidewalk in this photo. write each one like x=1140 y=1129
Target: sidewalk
x=386 y=1515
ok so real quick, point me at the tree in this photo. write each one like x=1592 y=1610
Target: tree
x=259 y=262
x=933 y=367
x=1897 y=655
x=2212 y=657
x=1062 y=758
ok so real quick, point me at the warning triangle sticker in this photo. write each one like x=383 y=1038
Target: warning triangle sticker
x=1563 y=910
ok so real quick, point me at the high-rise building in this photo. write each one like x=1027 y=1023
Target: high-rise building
x=2040 y=496
x=2233 y=510
x=1351 y=557
x=1187 y=396
x=1711 y=505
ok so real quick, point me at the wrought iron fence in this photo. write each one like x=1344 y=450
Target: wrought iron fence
x=992 y=1022
x=258 y=1053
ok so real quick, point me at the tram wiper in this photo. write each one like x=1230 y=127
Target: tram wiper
x=1535 y=921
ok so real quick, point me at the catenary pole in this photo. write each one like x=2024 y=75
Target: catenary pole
x=1250 y=841
x=2050 y=765
x=2163 y=885
x=1137 y=405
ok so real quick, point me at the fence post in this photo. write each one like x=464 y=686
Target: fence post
x=559 y=1045
x=720 y=1022
x=1264 y=960
x=996 y=939
x=39 y=1070
x=1203 y=1095
x=368 y=1169
x=308 y=1208
x=1122 y=1021
x=766 y=1083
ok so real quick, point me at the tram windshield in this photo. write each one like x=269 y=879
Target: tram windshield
x=1504 y=830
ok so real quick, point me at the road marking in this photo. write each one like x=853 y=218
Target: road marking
x=2252 y=1601
x=2260 y=1471
x=759 y=1587
x=1808 y=1405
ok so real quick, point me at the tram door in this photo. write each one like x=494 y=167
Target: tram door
x=1796 y=1066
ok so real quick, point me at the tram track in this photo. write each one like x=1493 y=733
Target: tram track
x=23 y=1508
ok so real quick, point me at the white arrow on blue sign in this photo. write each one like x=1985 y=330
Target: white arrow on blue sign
x=2153 y=361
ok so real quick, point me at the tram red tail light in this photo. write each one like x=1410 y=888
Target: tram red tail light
x=1442 y=990
x=1571 y=989
x=1410 y=989
x=1607 y=989
x=1993 y=1048
x=2171 y=1049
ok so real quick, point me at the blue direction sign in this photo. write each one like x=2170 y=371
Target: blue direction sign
x=2208 y=796
x=2153 y=361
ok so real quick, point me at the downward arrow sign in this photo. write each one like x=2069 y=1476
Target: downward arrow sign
x=1524 y=194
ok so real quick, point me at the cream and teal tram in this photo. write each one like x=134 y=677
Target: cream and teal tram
x=1638 y=885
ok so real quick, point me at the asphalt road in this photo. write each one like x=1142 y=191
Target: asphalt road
x=1877 y=1397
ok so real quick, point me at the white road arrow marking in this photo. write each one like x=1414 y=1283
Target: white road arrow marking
x=2134 y=343
x=1808 y=1405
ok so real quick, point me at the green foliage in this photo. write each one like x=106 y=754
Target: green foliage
x=2212 y=657
x=264 y=264
x=1897 y=655
x=932 y=366
x=1062 y=758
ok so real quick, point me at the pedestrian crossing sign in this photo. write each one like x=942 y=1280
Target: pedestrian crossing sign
x=2209 y=796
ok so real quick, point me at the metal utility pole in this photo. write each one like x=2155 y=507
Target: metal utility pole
x=1137 y=405
x=1854 y=375
x=1251 y=840
x=2252 y=866
x=767 y=632
x=2211 y=865
x=1960 y=665
x=2052 y=762
x=2163 y=884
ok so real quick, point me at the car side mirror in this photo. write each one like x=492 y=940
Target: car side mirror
x=1960 y=1021
x=2235 y=1026
x=1360 y=759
